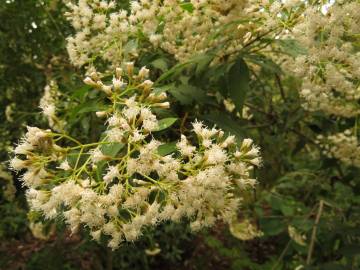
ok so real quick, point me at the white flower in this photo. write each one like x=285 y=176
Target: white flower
x=246 y=144
x=229 y=105
x=118 y=84
x=146 y=84
x=136 y=136
x=34 y=134
x=198 y=126
x=185 y=148
x=18 y=164
x=197 y=183
x=254 y=151
x=150 y=124
x=115 y=135
x=114 y=120
x=112 y=173
x=96 y=155
x=65 y=166
x=90 y=82
x=215 y=155
x=101 y=114
x=131 y=112
x=96 y=235
x=49 y=110
x=256 y=161
x=144 y=73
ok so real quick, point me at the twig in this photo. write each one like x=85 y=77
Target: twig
x=290 y=241
x=304 y=136
x=257 y=126
x=183 y=121
x=281 y=88
x=251 y=106
x=282 y=255
x=313 y=235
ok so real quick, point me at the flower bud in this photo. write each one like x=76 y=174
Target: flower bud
x=247 y=37
x=105 y=88
x=119 y=84
x=163 y=105
x=118 y=73
x=95 y=76
x=130 y=68
x=246 y=144
x=146 y=85
x=157 y=98
x=90 y=82
x=256 y=161
x=101 y=114
x=143 y=73
x=18 y=164
x=228 y=141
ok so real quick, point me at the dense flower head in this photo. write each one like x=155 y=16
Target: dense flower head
x=330 y=69
x=183 y=29
x=123 y=183
x=343 y=146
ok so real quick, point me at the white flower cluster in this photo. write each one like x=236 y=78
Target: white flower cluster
x=48 y=104
x=181 y=28
x=115 y=195
x=343 y=146
x=191 y=28
x=331 y=68
x=101 y=31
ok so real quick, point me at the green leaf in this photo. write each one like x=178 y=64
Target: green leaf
x=292 y=47
x=81 y=92
x=266 y=63
x=276 y=202
x=165 y=123
x=213 y=242
x=272 y=226
x=203 y=62
x=72 y=157
x=175 y=70
x=85 y=124
x=111 y=149
x=187 y=6
x=130 y=46
x=187 y=94
x=167 y=148
x=238 y=83
x=287 y=209
x=161 y=64
x=91 y=106
x=163 y=88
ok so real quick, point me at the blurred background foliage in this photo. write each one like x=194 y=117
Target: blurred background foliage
x=306 y=205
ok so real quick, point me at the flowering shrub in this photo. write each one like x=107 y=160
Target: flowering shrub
x=156 y=142
x=330 y=71
x=343 y=146
x=183 y=29
x=133 y=186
